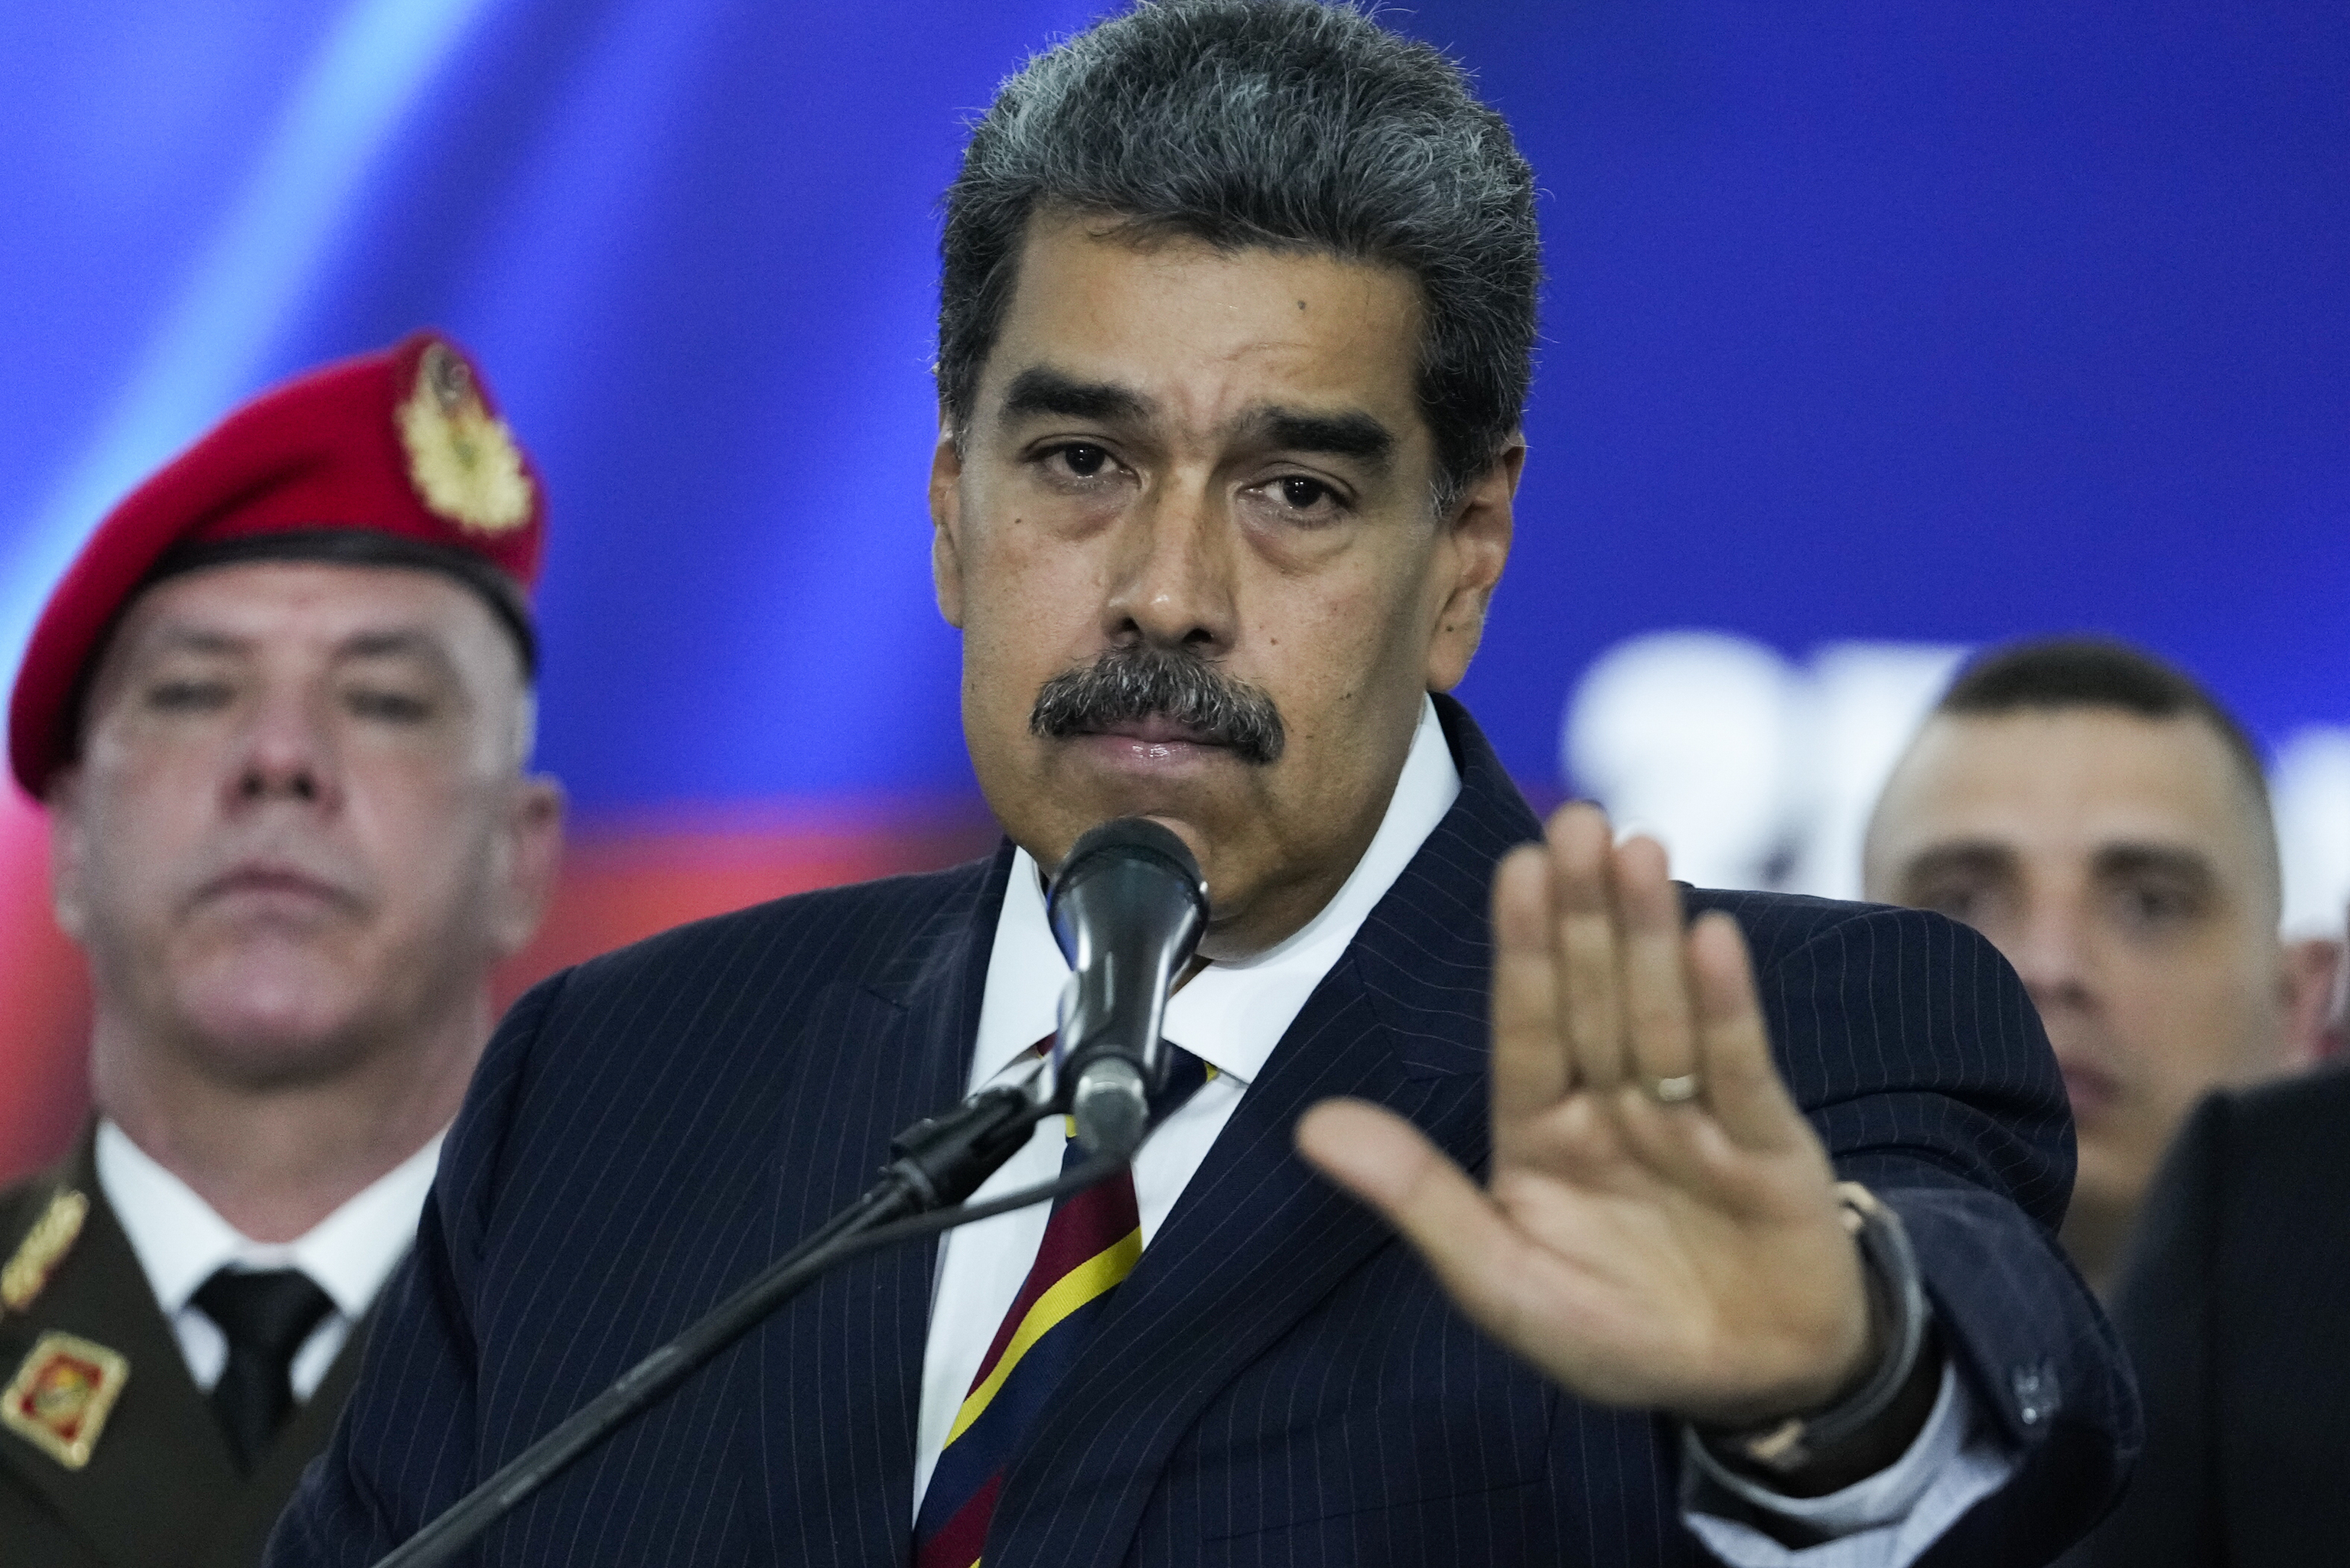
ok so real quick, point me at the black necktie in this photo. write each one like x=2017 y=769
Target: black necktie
x=265 y=1316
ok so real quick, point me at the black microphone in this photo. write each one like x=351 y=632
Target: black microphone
x=1128 y=909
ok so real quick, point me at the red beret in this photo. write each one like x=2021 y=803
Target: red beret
x=395 y=458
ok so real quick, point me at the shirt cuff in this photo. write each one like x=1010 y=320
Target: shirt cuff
x=1886 y=1520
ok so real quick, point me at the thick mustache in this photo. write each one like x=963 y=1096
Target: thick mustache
x=1130 y=684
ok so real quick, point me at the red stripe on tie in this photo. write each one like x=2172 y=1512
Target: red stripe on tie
x=1085 y=1225
x=962 y=1538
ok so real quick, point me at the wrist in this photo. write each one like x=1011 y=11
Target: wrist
x=1874 y=1418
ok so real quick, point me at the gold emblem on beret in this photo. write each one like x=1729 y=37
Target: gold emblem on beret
x=61 y=1397
x=44 y=1246
x=463 y=463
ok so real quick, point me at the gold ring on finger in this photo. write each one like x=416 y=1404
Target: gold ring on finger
x=1673 y=1091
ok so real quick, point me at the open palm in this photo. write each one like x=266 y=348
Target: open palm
x=1661 y=1227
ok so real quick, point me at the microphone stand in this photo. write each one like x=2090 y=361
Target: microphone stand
x=939 y=1162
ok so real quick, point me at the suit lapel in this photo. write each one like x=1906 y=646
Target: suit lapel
x=1257 y=1239
x=159 y=1467
x=840 y=1369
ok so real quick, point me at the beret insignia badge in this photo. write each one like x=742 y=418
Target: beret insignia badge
x=463 y=462
x=61 y=1397
x=44 y=1247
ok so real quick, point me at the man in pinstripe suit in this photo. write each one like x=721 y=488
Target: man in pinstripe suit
x=1234 y=327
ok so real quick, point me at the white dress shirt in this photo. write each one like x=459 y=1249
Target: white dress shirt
x=1232 y=1016
x=181 y=1242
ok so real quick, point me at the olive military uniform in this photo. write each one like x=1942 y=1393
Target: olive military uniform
x=158 y=1487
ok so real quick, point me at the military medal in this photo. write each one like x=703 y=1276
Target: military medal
x=62 y=1394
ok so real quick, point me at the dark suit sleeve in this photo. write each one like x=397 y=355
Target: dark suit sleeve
x=1912 y=1047
x=2164 y=1313
x=405 y=1447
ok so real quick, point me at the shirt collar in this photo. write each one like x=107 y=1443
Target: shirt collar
x=182 y=1241
x=1231 y=1015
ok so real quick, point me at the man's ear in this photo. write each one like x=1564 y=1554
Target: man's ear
x=2312 y=981
x=1472 y=547
x=68 y=899
x=533 y=854
x=946 y=523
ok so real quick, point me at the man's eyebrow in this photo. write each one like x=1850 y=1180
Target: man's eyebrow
x=170 y=639
x=1968 y=857
x=1038 y=391
x=2136 y=858
x=397 y=643
x=1353 y=433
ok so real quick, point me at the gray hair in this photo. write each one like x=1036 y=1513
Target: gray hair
x=1284 y=124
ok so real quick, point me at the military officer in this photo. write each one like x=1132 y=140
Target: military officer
x=279 y=711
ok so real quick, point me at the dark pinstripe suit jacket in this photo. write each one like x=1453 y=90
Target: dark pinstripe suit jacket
x=2236 y=1304
x=1279 y=1381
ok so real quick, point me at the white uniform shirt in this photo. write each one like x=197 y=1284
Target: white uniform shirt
x=1232 y=1016
x=180 y=1241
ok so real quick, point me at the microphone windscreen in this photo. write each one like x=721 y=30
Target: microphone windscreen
x=1126 y=858
x=1126 y=837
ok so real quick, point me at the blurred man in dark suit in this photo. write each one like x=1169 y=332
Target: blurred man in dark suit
x=2106 y=823
x=2233 y=1303
x=279 y=711
x=1236 y=320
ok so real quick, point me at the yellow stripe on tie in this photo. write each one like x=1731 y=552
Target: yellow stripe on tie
x=1070 y=1292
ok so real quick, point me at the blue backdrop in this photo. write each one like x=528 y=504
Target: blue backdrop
x=1922 y=322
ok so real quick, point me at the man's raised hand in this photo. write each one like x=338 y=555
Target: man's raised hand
x=1661 y=1227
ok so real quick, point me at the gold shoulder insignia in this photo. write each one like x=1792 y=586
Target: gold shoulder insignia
x=463 y=462
x=44 y=1246
x=61 y=1397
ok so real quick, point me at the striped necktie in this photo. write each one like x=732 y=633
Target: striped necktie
x=1092 y=1241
